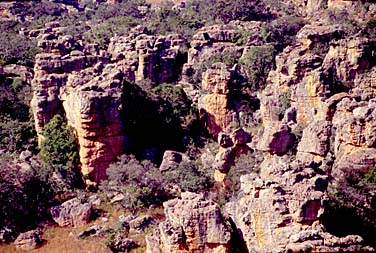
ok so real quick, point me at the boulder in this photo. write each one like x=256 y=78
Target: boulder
x=240 y=137
x=120 y=244
x=137 y=223
x=314 y=144
x=224 y=159
x=29 y=240
x=71 y=213
x=224 y=140
x=171 y=159
x=277 y=139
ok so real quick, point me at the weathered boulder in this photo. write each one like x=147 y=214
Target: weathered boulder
x=172 y=159
x=224 y=159
x=240 y=137
x=137 y=223
x=71 y=213
x=121 y=244
x=29 y=240
x=192 y=225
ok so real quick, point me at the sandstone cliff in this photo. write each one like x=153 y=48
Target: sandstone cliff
x=80 y=82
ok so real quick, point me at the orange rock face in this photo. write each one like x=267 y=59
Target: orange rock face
x=215 y=104
x=78 y=86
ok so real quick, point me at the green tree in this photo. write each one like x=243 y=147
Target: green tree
x=258 y=61
x=189 y=177
x=281 y=32
x=59 y=146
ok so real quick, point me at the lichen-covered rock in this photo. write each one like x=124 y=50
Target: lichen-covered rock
x=192 y=225
x=93 y=110
x=71 y=213
x=29 y=240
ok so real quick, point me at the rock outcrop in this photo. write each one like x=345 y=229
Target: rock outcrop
x=144 y=57
x=215 y=106
x=192 y=225
x=77 y=85
x=280 y=210
x=78 y=82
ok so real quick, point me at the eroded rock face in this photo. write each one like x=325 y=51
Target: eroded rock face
x=171 y=159
x=92 y=108
x=280 y=210
x=354 y=142
x=315 y=141
x=157 y=58
x=77 y=85
x=78 y=82
x=215 y=106
x=192 y=225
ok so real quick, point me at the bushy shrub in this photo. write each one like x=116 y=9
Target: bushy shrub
x=281 y=32
x=59 y=145
x=258 y=61
x=188 y=176
x=59 y=153
x=16 y=48
x=141 y=183
x=103 y=32
x=16 y=126
x=244 y=10
x=163 y=110
x=24 y=197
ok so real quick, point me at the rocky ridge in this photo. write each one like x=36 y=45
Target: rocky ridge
x=317 y=114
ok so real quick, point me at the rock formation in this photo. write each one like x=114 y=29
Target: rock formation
x=215 y=106
x=71 y=213
x=29 y=240
x=79 y=82
x=144 y=57
x=192 y=224
x=280 y=210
